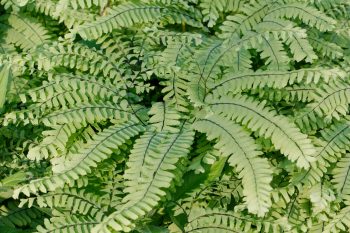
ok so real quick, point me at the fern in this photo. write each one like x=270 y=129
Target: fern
x=174 y=116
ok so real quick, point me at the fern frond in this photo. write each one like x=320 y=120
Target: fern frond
x=74 y=223
x=340 y=223
x=212 y=9
x=335 y=141
x=80 y=57
x=308 y=15
x=273 y=79
x=301 y=93
x=23 y=31
x=331 y=101
x=294 y=36
x=341 y=177
x=12 y=216
x=251 y=15
x=128 y=14
x=272 y=50
x=88 y=3
x=54 y=142
x=151 y=187
x=326 y=48
x=5 y=81
x=80 y=164
x=284 y=135
x=75 y=201
x=89 y=112
x=210 y=220
x=164 y=117
x=242 y=154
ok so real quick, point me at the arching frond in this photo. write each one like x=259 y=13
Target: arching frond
x=284 y=134
x=274 y=79
x=123 y=16
x=242 y=154
x=80 y=164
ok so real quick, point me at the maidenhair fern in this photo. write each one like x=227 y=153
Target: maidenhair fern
x=174 y=116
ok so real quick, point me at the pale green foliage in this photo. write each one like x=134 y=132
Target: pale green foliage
x=174 y=116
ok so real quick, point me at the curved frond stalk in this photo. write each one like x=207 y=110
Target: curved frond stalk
x=158 y=173
x=80 y=164
x=284 y=135
x=242 y=153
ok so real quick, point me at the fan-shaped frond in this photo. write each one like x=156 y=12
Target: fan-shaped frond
x=235 y=143
x=284 y=135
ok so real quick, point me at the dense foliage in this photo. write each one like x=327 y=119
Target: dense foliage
x=174 y=116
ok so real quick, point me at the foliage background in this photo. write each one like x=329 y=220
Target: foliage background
x=174 y=116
